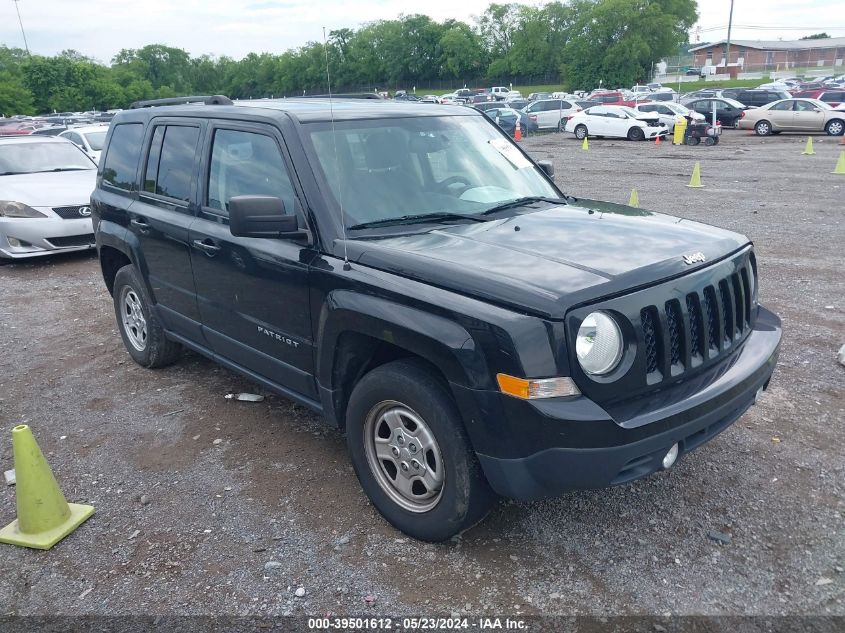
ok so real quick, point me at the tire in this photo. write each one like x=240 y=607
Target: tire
x=407 y=406
x=636 y=134
x=561 y=126
x=763 y=128
x=142 y=333
x=709 y=141
x=692 y=141
x=581 y=132
x=835 y=127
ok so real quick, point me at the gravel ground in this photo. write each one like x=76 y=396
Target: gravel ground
x=206 y=506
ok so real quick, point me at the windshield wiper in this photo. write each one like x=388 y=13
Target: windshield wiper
x=417 y=218
x=44 y=171
x=520 y=202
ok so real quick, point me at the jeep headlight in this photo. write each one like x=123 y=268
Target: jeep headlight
x=599 y=344
x=12 y=209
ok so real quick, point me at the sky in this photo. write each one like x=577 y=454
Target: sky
x=100 y=28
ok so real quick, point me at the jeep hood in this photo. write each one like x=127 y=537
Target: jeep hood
x=550 y=260
x=49 y=189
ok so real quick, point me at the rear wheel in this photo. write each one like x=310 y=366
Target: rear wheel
x=835 y=127
x=581 y=132
x=411 y=453
x=142 y=333
x=763 y=128
x=636 y=134
x=709 y=141
x=692 y=141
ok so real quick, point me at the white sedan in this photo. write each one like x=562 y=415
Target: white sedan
x=614 y=121
x=668 y=112
x=45 y=189
x=88 y=138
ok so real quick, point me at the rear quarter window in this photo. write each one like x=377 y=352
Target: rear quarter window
x=121 y=162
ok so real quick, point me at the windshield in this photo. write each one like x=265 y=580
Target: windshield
x=677 y=108
x=31 y=158
x=391 y=168
x=629 y=111
x=96 y=140
x=734 y=103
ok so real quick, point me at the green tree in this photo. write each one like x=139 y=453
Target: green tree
x=617 y=41
x=816 y=36
x=15 y=97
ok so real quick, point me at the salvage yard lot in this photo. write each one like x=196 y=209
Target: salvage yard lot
x=187 y=524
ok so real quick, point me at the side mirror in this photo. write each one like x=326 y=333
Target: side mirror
x=262 y=216
x=548 y=168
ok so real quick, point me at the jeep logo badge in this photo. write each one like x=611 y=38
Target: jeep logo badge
x=84 y=211
x=694 y=258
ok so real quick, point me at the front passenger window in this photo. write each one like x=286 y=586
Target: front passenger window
x=247 y=164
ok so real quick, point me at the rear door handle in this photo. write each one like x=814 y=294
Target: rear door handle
x=140 y=225
x=207 y=246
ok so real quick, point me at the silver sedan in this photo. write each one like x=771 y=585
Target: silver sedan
x=45 y=189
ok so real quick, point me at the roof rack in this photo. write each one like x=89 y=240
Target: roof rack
x=205 y=99
x=347 y=95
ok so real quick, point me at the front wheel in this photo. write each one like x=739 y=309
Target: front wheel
x=411 y=454
x=835 y=127
x=636 y=134
x=580 y=132
x=763 y=128
x=142 y=333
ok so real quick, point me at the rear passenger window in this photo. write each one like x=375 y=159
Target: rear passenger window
x=171 y=161
x=247 y=164
x=121 y=160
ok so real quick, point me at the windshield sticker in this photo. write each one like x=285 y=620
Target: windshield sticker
x=514 y=156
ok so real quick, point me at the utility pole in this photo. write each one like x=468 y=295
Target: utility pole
x=728 y=45
x=17 y=8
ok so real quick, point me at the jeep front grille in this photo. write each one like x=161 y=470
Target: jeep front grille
x=727 y=311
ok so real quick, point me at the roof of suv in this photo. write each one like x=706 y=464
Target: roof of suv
x=309 y=110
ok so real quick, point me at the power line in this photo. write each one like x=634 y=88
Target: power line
x=17 y=8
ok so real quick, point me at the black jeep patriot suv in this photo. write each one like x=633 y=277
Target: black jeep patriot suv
x=408 y=272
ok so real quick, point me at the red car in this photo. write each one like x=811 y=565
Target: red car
x=613 y=98
x=829 y=96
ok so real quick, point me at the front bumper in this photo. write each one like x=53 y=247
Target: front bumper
x=44 y=236
x=544 y=448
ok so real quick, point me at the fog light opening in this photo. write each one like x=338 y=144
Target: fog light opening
x=671 y=456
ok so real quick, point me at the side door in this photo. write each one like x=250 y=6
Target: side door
x=253 y=292
x=596 y=121
x=808 y=116
x=161 y=216
x=781 y=115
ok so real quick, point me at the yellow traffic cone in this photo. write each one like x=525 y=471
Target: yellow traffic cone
x=808 y=149
x=585 y=145
x=695 y=181
x=634 y=200
x=840 y=165
x=44 y=516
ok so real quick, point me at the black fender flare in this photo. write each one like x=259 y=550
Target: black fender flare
x=440 y=341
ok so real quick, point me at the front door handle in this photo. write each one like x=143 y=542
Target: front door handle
x=142 y=226
x=207 y=246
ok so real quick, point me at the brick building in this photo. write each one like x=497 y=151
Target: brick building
x=773 y=55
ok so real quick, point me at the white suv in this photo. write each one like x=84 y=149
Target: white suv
x=551 y=113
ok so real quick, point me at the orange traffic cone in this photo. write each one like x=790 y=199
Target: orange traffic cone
x=657 y=140
x=517 y=133
x=842 y=142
